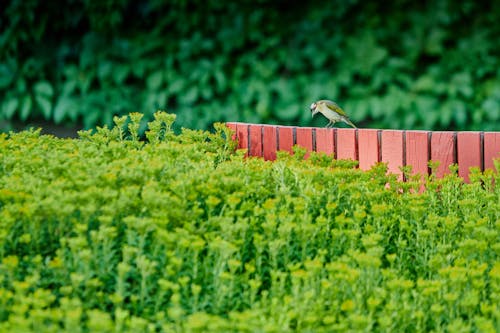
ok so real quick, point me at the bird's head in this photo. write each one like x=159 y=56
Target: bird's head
x=314 y=109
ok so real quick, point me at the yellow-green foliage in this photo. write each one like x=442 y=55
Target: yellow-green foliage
x=108 y=233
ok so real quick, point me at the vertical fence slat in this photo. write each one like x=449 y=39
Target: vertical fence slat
x=285 y=134
x=346 y=143
x=233 y=127
x=491 y=149
x=269 y=142
x=417 y=151
x=392 y=151
x=242 y=135
x=256 y=140
x=443 y=150
x=368 y=148
x=305 y=139
x=325 y=140
x=468 y=152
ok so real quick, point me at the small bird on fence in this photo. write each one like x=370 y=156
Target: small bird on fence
x=331 y=111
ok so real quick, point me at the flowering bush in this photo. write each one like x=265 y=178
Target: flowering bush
x=179 y=233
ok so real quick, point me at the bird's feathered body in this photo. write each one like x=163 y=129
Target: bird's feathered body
x=331 y=111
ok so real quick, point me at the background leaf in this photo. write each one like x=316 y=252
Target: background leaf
x=25 y=108
x=43 y=88
x=45 y=106
x=6 y=76
x=155 y=80
x=9 y=106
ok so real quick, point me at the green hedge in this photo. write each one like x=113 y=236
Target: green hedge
x=107 y=233
x=409 y=65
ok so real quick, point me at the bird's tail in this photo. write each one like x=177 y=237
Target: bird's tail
x=348 y=122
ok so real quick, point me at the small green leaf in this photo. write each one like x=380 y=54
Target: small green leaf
x=426 y=107
x=154 y=80
x=26 y=105
x=459 y=112
x=62 y=108
x=446 y=114
x=43 y=88
x=6 y=76
x=45 y=106
x=151 y=99
x=139 y=68
x=176 y=85
x=69 y=87
x=190 y=96
x=161 y=98
x=104 y=70
x=410 y=120
x=463 y=83
x=319 y=59
x=430 y=119
x=424 y=83
x=120 y=72
x=9 y=107
x=84 y=81
x=376 y=107
x=220 y=79
x=206 y=92
x=435 y=41
x=492 y=109
x=21 y=85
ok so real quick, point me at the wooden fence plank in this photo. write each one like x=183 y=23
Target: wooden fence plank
x=368 y=148
x=270 y=142
x=242 y=135
x=346 y=143
x=468 y=152
x=417 y=151
x=392 y=151
x=491 y=149
x=233 y=127
x=443 y=150
x=256 y=140
x=325 y=140
x=305 y=139
x=285 y=134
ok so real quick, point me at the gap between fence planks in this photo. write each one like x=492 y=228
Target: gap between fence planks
x=395 y=147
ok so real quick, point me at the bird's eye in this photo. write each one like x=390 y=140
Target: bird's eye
x=313 y=106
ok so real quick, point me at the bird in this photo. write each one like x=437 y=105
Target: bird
x=331 y=111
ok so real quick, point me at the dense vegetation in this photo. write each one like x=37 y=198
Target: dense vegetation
x=107 y=233
x=410 y=64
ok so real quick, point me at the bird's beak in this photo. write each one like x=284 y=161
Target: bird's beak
x=314 y=109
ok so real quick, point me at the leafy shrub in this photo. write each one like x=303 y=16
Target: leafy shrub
x=409 y=65
x=109 y=233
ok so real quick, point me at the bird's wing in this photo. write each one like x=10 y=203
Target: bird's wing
x=334 y=107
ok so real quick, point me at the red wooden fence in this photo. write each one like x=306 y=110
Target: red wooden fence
x=369 y=146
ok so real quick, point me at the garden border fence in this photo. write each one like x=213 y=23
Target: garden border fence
x=368 y=146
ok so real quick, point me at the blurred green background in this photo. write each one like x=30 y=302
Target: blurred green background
x=389 y=64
